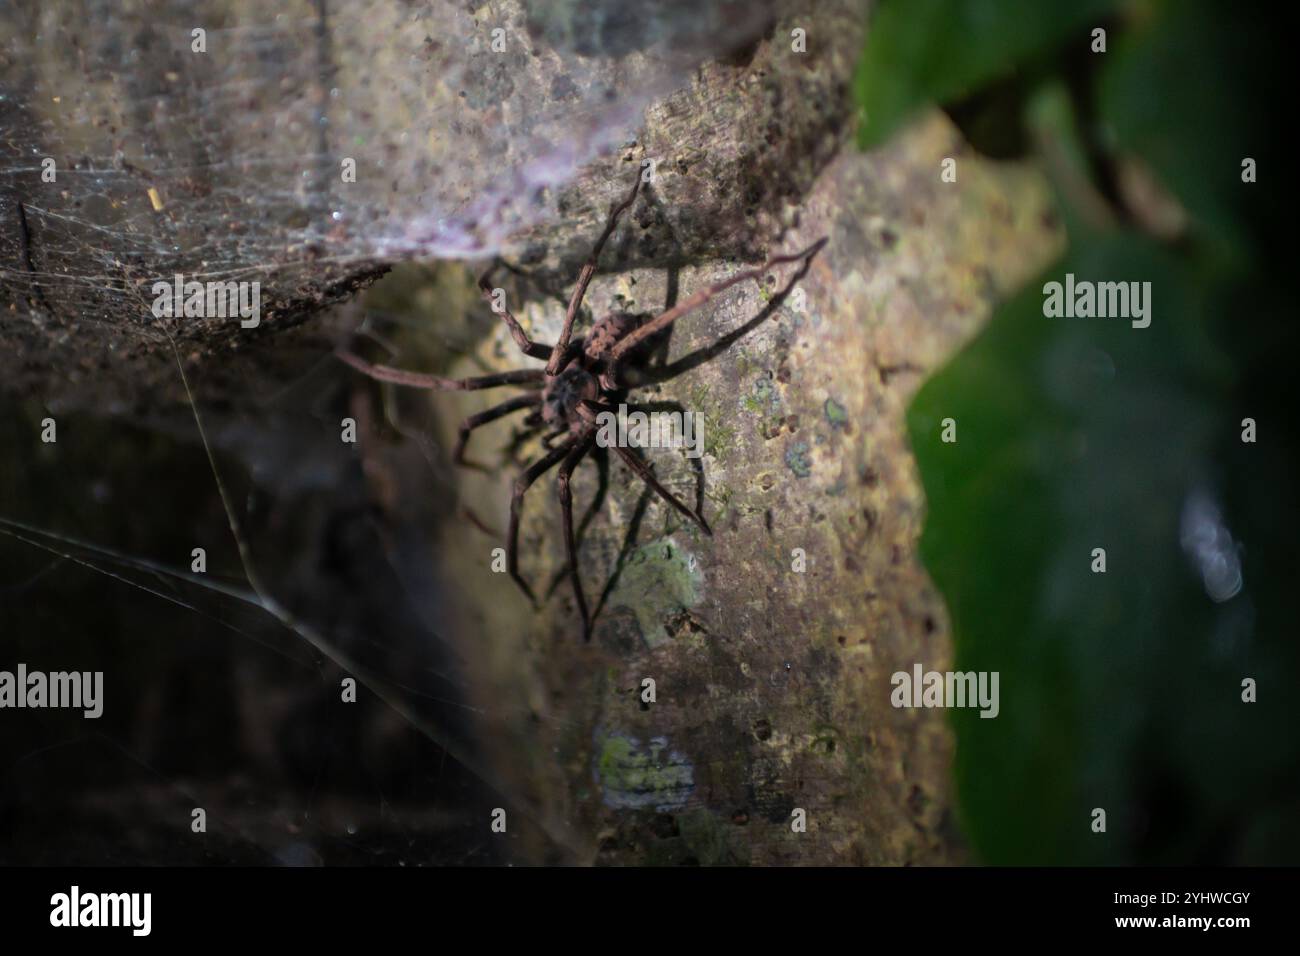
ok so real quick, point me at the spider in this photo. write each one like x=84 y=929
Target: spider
x=582 y=377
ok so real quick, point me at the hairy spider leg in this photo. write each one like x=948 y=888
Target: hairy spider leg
x=647 y=475
x=522 y=484
x=696 y=464
x=384 y=373
x=570 y=462
x=549 y=438
x=527 y=400
x=631 y=376
x=589 y=410
x=526 y=345
x=584 y=279
x=617 y=355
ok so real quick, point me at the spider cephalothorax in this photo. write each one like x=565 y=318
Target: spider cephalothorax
x=582 y=378
x=563 y=395
x=580 y=381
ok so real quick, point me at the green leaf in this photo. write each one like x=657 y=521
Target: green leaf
x=1181 y=90
x=1119 y=690
x=924 y=51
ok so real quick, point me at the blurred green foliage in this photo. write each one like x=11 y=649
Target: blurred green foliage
x=1120 y=690
x=926 y=51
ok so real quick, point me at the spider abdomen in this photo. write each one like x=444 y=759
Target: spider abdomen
x=606 y=333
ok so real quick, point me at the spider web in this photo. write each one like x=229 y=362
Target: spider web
x=235 y=163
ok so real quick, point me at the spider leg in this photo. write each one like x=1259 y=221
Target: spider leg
x=522 y=484
x=527 y=400
x=667 y=405
x=601 y=459
x=570 y=462
x=646 y=475
x=625 y=550
x=584 y=279
x=634 y=376
x=526 y=345
x=384 y=373
x=690 y=304
x=549 y=438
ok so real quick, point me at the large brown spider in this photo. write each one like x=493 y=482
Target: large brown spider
x=581 y=379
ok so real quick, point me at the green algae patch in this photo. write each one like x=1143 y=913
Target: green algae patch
x=798 y=460
x=633 y=777
x=836 y=414
x=658 y=582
